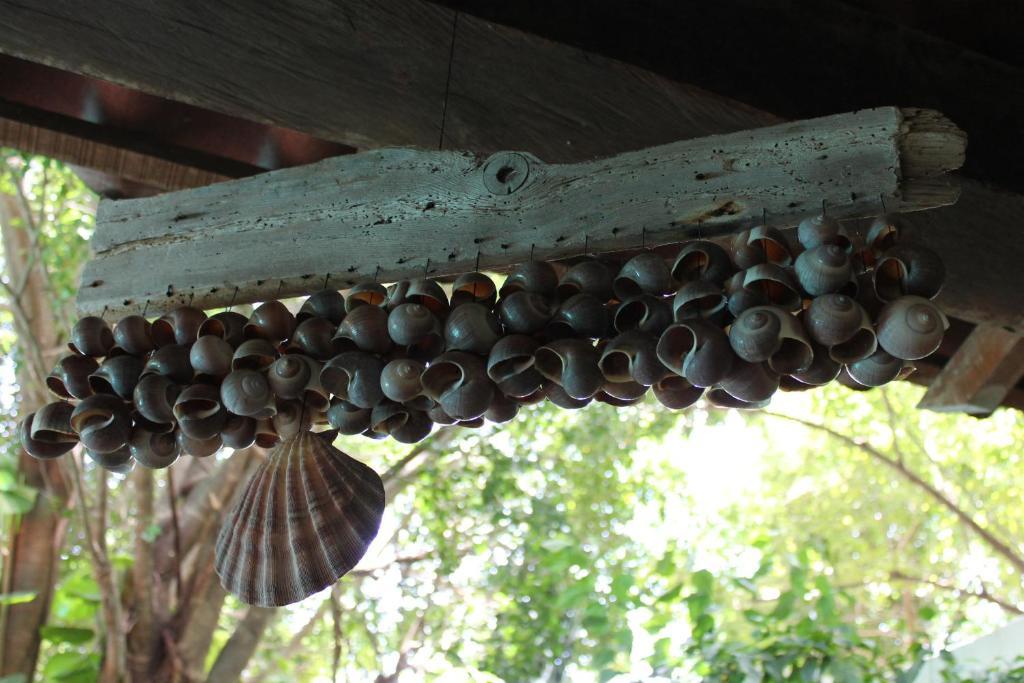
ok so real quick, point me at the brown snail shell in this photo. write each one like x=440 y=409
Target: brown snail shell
x=291 y=418
x=770 y=334
x=586 y=277
x=823 y=229
x=314 y=337
x=247 y=393
x=388 y=416
x=628 y=392
x=510 y=366
x=438 y=416
x=154 y=398
x=41 y=450
x=573 y=364
x=430 y=294
x=131 y=335
x=825 y=269
x=675 y=393
x=102 y=423
x=118 y=462
x=502 y=409
x=307 y=517
x=365 y=294
x=117 y=375
x=696 y=350
x=91 y=336
x=645 y=273
x=822 y=369
x=849 y=382
x=254 y=354
x=771 y=244
x=474 y=288
x=523 y=312
x=471 y=327
x=537 y=277
x=70 y=376
x=347 y=418
x=52 y=424
x=210 y=358
x=908 y=269
x=645 y=312
x=702 y=260
x=911 y=327
x=459 y=383
x=877 y=369
x=632 y=356
x=400 y=379
x=140 y=422
x=720 y=398
x=743 y=253
x=557 y=395
x=699 y=299
x=266 y=434
x=171 y=361
x=180 y=326
x=328 y=304
x=790 y=384
x=409 y=324
x=197 y=448
x=396 y=295
x=153 y=451
x=606 y=398
x=839 y=323
x=271 y=321
x=199 y=412
x=882 y=236
x=750 y=382
x=239 y=432
x=773 y=285
x=227 y=325
x=417 y=427
x=581 y=315
x=365 y=328
x=355 y=377
x=289 y=376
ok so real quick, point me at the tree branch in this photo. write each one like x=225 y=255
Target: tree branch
x=241 y=646
x=982 y=594
x=142 y=636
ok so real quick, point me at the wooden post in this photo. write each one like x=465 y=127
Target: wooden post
x=978 y=377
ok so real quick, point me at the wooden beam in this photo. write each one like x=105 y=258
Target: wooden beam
x=383 y=214
x=980 y=374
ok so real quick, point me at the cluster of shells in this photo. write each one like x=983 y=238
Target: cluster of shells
x=732 y=323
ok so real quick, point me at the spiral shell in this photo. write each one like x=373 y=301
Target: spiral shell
x=118 y=462
x=720 y=398
x=698 y=299
x=328 y=304
x=537 y=277
x=239 y=432
x=154 y=398
x=153 y=451
x=180 y=326
x=117 y=375
x=199 y=412
x=365 y=328
x=675 y=393
x=102 y=423
x=52 y=424
x=586 y=277
x=908 y=269
x=347 y=418
x=171 y=361
x=573 y=364
x=438 y=416
x=290 y=419
x=246 y=392
x=471 y=327
x=770 y=334
x=632 y=356
x=91 y=336
x=581 y=315
x=197 y=448
x=696 y=350
x=877 y=369
x=645 y=312
x=417 y=427
x=502 y=409
x=474 y=288
x=40 y=450
x=770 y=243
x=271 y=321
x=289 y=375
x=400 y=379
x=822 y=369
x=911 y=327
x=510 y=366
x=839 y=323
x=430 y=294
x=131 y=335
x=210 y=358
x=314 y=336
x=365 y=294
x=825 y=269
x=459 y=383
x=355 y=377
x=616 y=393
x=773 y=285
x=388 y=416
x=881 y=236
x=822 y=229
x=266 y=434
x=702 y=260
x=523 y=312
x=227 y=325
x=750 y=382
x=557 y=395
x=70 y=376
x=645 y=273
x=307 y=518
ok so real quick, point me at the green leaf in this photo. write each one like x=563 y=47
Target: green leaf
x=14 y=678
x=17 y=597
x=17 y=501
x=67 y=634
x=703 y=581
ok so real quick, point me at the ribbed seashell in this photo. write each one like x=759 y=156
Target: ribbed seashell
x=696 y=350
x=644 y=312
x=211 y=358
x=822 y=369
x=400 y=379
x=632 y=356
x=645 y=273
x=365 y=294
x=91 y=336
x=877 y=369
x=471 y=327
x=438 y=416
x=768 y=333
x=254 y=354
x=908 y=269
x=573 y=364
x=523 y=312
x=199 y=412
x=675 y=393
x=180 y=326
x=510 y=365
x=365 y=328
x=102 y=423
x=171 y=361
x=474 y=288
x=538 y=277
x=328 y=304
x=306 y=518
x=823 y=229
x=154 y=398
x=586 y=277
x=773 y=284
x=118 y=462
x=750 y=382
x=70 y=376
x=557 y=395
x=417 y=427
x=581 y=315
x=227 y=325
x=825 y=269
x=239 y=432
x=839 y=323
x=388 y=416
x=355 y=377
x=720 y=398
x=702 y=260
x=266 y=435
x=154 y=451
x=502 y=409
x=699 y=299
x=459 y=383
x=271 y=321
x=347 y=418
x=131 y=335
x=197 y=448
x=246 y=392
x=430 y=294
x=314 y=337
x=117 y=375
x=40 y=449
x=911 y=327
x=291 y=418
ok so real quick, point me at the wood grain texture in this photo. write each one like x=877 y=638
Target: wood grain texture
x=385 y=213
x=980 y=374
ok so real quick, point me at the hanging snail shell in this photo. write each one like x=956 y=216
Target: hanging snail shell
x=523 y=312
x=911 y=327
x=210 y=358
x=199 y=412
x=430 y=294
x=48 y=433
x=586 y=277
x=271 y=321
x=699 y=299
x=839 y=323
x=118 y=462
x=501 y=410
x=364 y=328
x=474 y=288
x=438 y=416
x=197 y=448
x=720 y=398
x=388 y=416
x=91 y=336
x=227 y=325
x=581 y=315
x=573 y=364
x=823 y=229
x=131 y=335
x=365 y=294
x=416 y=328
x=400 y=379
x=822 y=370
x=558 y=396
x=289 y=376
x=632 y=356
x=417 y=427
x=908 y=269
x=39 y=449
x=239 y=432
x=70 y=376
x=773 y=285
x=102 y=423
x=314 y=336
x=117 y=375
x=471 y=327
x=246 y=392
x=171 y=361
x=459 y=383
x=645 y=273
x=355 y=377
x=644 y=312
x=825 y=269
x=180 y=326
x=153 y=451
x=328 y=304
x=617 y=393
x=877 y=369
x=154 y=398
x=881 y=236
x=702 y=260
x=770 y=334
x=347 y=418
x=675 y=393
x=771 y=244
x=538 y=277
x=290 y=419
x=696 y=350
x=254 y=354
x=510 y=365
x=750 y=382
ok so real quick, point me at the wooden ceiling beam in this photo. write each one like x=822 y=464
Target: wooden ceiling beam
x=979 y=375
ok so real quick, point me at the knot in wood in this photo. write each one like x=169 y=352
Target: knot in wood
x=505 y=172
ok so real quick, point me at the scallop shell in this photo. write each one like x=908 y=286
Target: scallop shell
x=306 y=518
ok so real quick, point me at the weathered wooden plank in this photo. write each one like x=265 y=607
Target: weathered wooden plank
x=385 y=213
x=978 y=377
